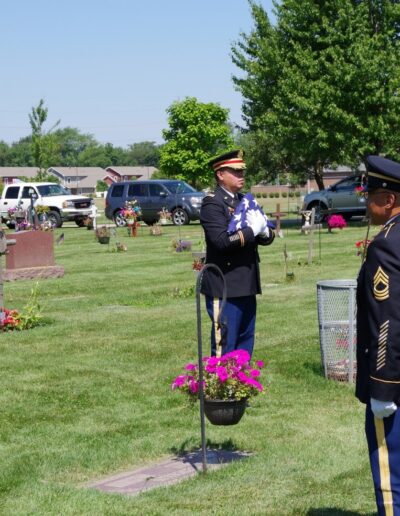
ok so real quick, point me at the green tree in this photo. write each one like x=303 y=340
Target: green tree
x=197 y=132
x=4 y=154
x=305 y=80
x=101 y=186
x=71 y=142
x=20 y=153
x=44 y=143
x=143 y=154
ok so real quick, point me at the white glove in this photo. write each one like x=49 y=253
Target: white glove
x=266 y=231
x=382 y=409
x=256 y=221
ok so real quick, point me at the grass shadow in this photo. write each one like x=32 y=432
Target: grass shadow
x=189 y=446
x=316 y=369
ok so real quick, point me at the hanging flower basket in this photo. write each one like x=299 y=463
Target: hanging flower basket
x=229 y=381
x=224 y=412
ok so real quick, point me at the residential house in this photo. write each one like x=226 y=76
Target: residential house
x=118 y=174
x=80 y=180
x=13 y=174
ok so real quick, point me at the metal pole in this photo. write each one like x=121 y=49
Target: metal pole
x=200 y=352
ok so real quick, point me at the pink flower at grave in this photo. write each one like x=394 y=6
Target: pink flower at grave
x=242 y=377
x=190 y=367
x=193 y=386
x=260 y=364
x=211 y=361
x=179 y=381
x=222 y=373
x=254 y=373
x=255 y=384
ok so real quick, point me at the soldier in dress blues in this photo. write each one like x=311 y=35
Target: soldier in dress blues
x=378 y=333
x=235 y=253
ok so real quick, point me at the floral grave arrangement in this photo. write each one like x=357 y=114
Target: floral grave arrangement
x=362 y=245
x=29 y=317
x=131 y=212
x=181 y=245
x=335 y=221
x=41 y=209
x=229 y=377
x=9 y=319
x=198 y=264
x=164 y=215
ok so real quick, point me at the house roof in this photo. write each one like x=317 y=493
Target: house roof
x=18 y=171
x=139 y=172
x=93 y=172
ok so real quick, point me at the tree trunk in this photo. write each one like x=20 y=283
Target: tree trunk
x=318 y=175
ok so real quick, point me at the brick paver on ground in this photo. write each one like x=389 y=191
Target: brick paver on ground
x=167 y=472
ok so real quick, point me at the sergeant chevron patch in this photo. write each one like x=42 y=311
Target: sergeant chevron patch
x=381 y=285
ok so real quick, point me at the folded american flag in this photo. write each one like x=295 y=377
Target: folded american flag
x=238 y=220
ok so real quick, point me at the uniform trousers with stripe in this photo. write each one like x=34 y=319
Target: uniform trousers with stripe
x=237 y=328
x=383 y=436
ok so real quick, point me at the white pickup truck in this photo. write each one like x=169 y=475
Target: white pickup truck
x=62 y=204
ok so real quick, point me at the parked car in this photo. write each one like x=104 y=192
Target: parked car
x=62 y=205
x=341 y=198
x=179 y=198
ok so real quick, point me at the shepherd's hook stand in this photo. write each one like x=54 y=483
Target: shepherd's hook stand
x=200 y=352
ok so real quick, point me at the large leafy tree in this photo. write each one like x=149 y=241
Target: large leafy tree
x=197 y=131
x=71 y=142
x=320 y=87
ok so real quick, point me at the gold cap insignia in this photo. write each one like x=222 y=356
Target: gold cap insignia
x=381 y=285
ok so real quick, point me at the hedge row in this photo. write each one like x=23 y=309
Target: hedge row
x=264 y=195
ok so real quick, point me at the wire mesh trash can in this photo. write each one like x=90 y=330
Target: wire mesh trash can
x=337 y=328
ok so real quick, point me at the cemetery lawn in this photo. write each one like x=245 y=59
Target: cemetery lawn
x=87 y=394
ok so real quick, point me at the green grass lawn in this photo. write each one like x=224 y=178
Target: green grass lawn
x=88 y=394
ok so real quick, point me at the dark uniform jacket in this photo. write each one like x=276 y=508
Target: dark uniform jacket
x=378 y=318
x=236 y=255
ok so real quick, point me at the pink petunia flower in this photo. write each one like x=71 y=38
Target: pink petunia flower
x=260 y=364
x=190 y=367
x=222 y=373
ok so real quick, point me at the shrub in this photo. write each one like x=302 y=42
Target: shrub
x=264 y=195
x=284 y=194
x=297 y=194
x=291 y=194
x=335 y=221
x=271 y=194
x=276 y=194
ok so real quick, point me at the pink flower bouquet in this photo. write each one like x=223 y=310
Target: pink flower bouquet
x=229 y=377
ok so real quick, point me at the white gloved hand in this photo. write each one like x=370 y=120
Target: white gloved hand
x=256 y=221
x=266 y=231
x=382 y=409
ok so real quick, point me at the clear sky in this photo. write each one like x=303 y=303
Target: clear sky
x=112 y=67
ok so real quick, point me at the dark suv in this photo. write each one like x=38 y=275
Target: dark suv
x=179 y=198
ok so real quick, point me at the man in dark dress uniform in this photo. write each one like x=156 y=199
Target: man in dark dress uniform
x=378 y=333
x=235 y=254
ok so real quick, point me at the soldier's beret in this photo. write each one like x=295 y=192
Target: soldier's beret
x=232 y=159
x=382 y=173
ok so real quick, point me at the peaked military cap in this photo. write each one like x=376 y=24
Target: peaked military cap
x=382 y=173
x=232 y=159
